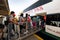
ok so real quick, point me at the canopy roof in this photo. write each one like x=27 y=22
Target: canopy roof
x=4 y=7
x=37 y=4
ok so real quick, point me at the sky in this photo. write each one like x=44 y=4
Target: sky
x=19 y=5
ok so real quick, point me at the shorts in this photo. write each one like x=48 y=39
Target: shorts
x=34 y=23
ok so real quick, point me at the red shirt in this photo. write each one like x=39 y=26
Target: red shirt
x=45 y=18
x=28 y=18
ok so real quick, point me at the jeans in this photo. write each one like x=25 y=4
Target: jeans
x=9 y=30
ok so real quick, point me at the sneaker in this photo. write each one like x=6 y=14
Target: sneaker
x=26 y=32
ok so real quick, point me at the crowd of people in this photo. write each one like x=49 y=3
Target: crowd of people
x=25 y=24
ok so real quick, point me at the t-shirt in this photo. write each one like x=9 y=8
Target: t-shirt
x=44 y=18
x=28 y=18
x=21 y=20
x=34 y=19
x=10 y=18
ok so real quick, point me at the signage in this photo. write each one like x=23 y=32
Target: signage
x=38 y=9
x=53 y=30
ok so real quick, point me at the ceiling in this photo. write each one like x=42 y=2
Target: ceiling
x=4 y=7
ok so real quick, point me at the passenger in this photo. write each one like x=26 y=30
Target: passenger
x=1 y=31
x=6 y=24
x=26 y=24
x=25 y=29
x=11 y=25
x=21 y=22
x=34 y=23
x=29 y=22
x=45 y=18
x=15 y=24
x=7 y=21
x=42 y=24
x=39 y=23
